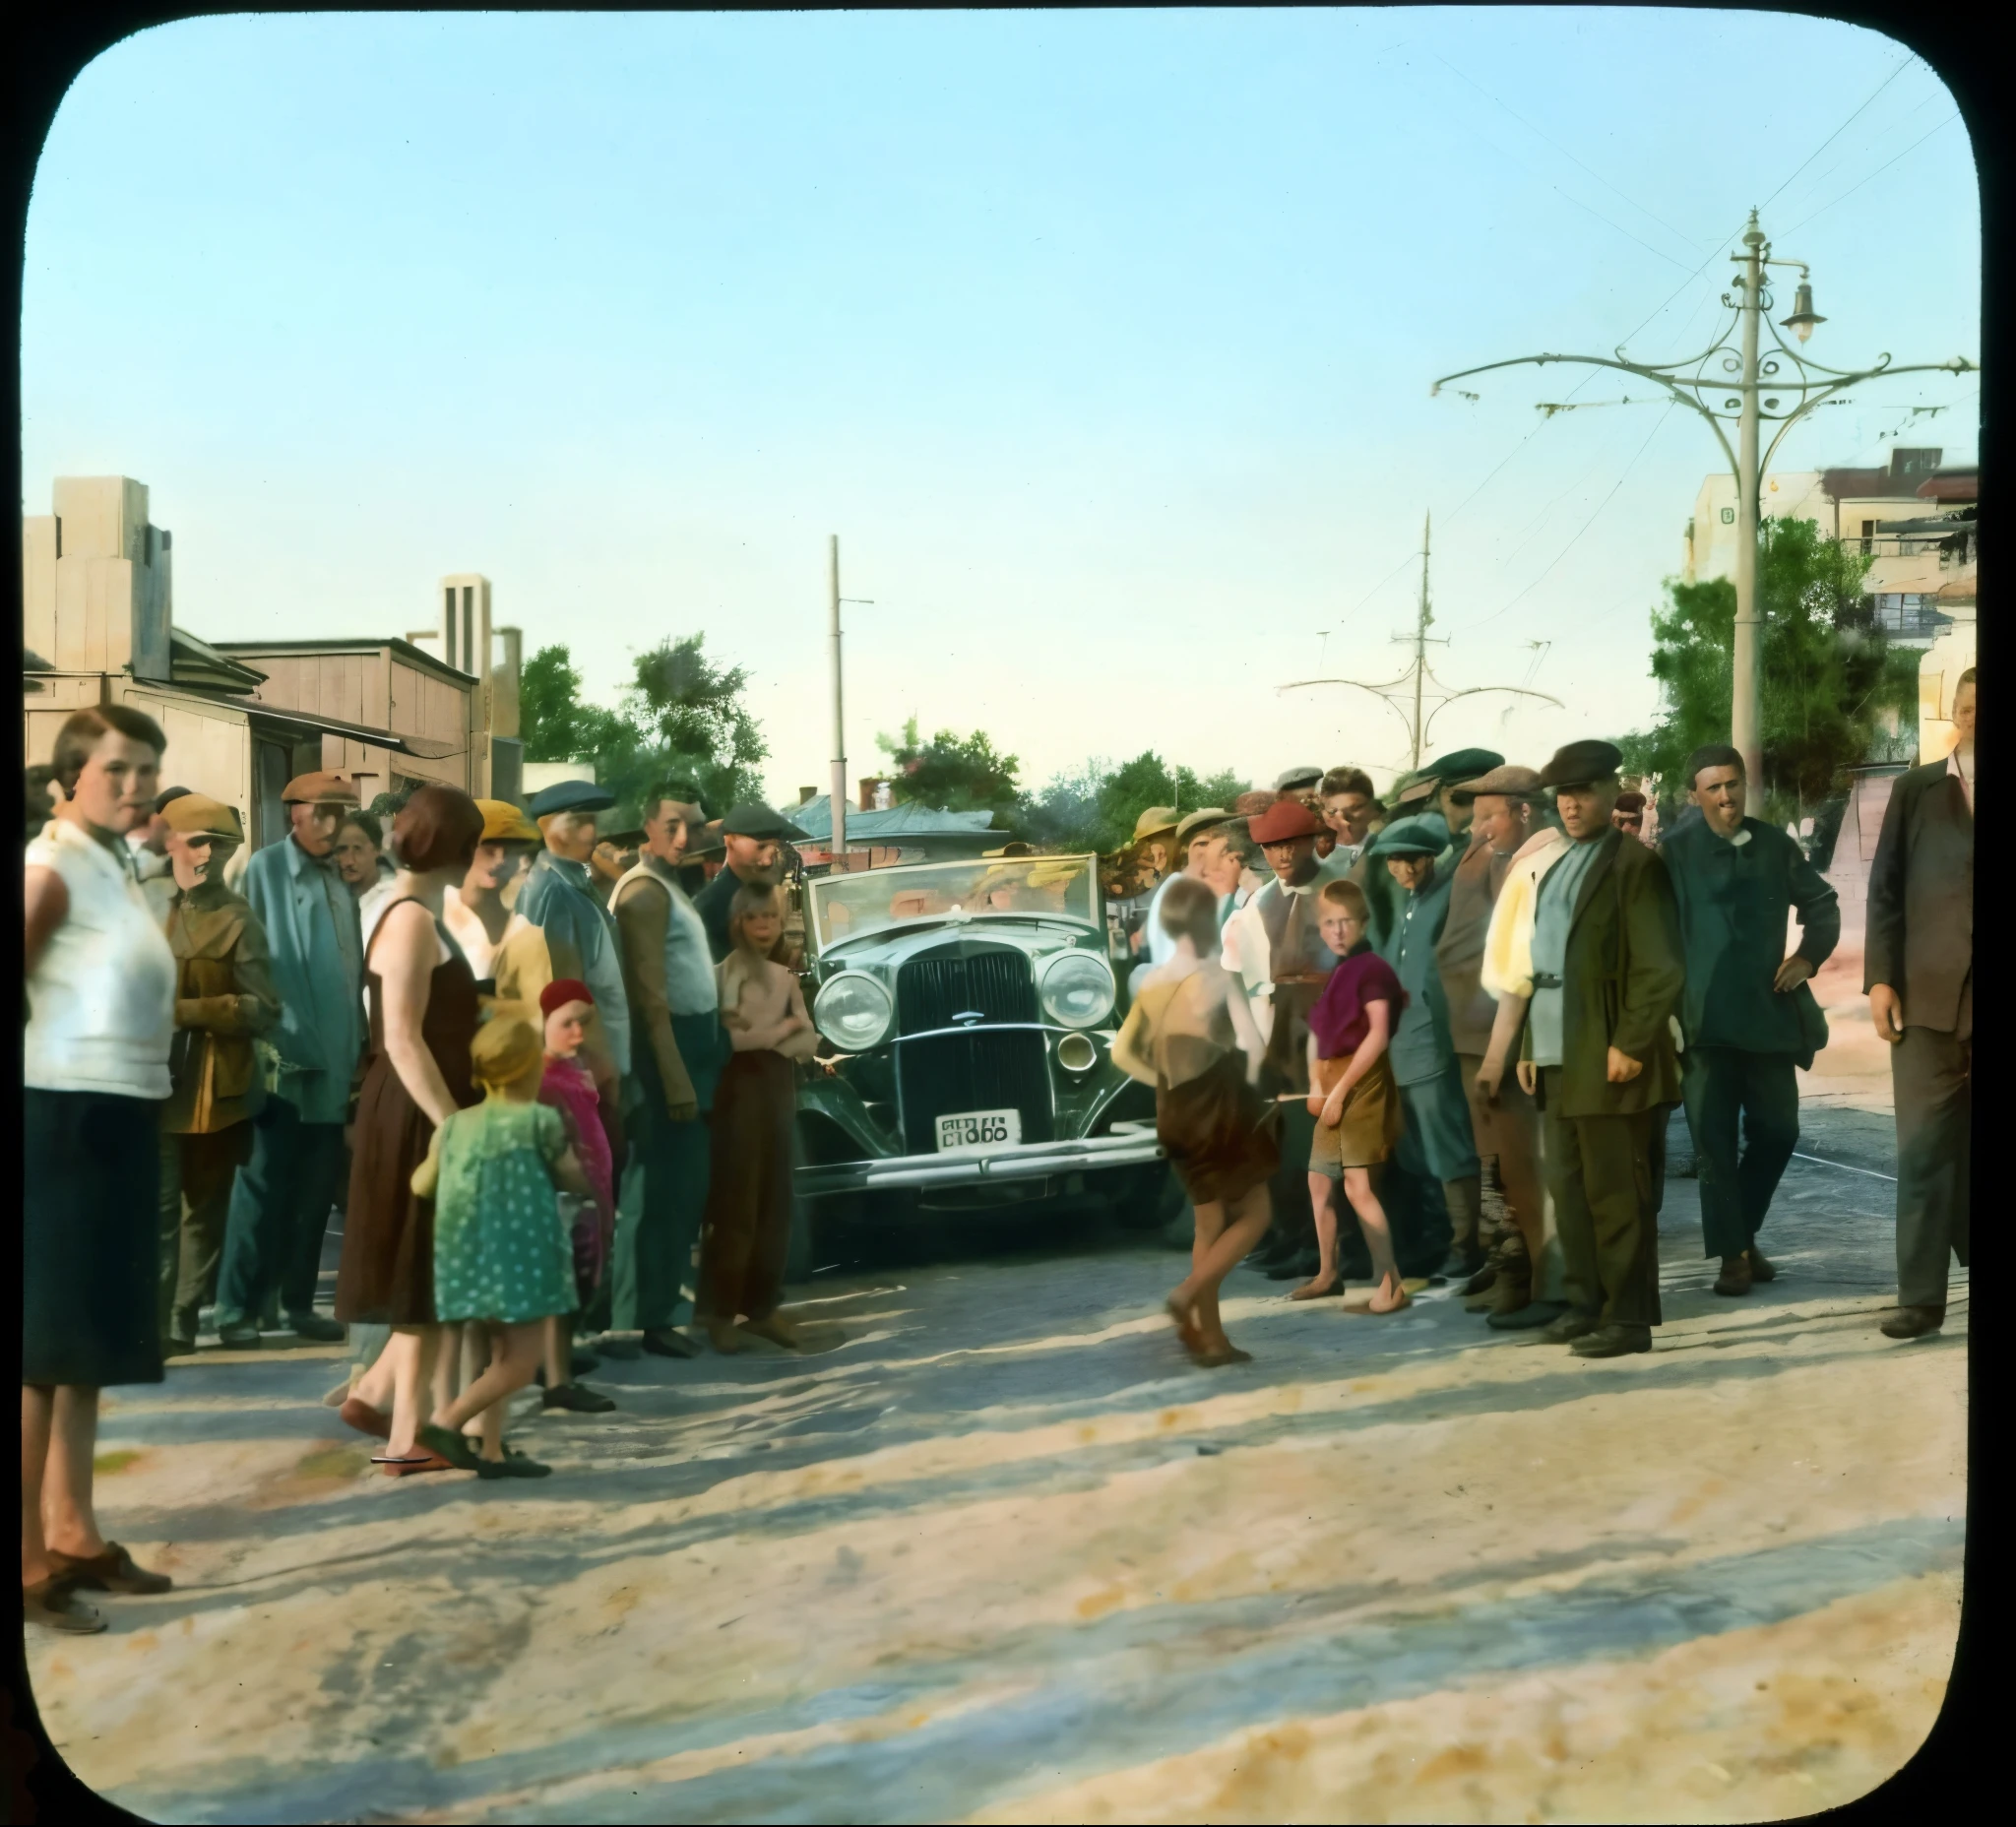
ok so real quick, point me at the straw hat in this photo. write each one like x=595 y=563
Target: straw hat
x=1154 y=822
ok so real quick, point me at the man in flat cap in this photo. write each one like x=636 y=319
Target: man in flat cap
x=1918 y=967
x=1194 y=849
x=1435 y=1140
x=1598 y=1052
x=679 y=1049
x=754 y=837
x=1452 y=775
x=1297 y=779
x=224 y=998
x=1503 y=1122
x=1750 y=1022
x=280 y=1204
x=581 y=939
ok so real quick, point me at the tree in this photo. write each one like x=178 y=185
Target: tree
x=958 y=773
x=1835 y=690
x=1097 y=807
x=682 y=729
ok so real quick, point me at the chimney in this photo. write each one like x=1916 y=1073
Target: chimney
x=806 y=795
x=868 y=785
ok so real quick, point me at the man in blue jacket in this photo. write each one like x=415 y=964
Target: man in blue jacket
x=1747 y=1015
x=280 y=1204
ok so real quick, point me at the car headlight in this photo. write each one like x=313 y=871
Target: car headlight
x=1077 y=990
x=852 y=1010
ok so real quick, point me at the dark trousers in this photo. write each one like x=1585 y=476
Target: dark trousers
x=197 y=1174
x=1933 y=1075
x=749 y=1188
x=674 y=1161
x=1729 y=1091
x=278 y=1213
x=1294 y=1217
x=1600 y=1173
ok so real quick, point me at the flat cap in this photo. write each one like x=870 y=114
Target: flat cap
x=504 y=822
x=1247 y=805
x=1581 y=763
x=1293 y=780
x=1463 y=763
x=1153 y=822
x=1415 y=789
x=1282 y=822
x=1198 y=821
x=1422 y=836
x=196 y=815
x=570 y=796
x=318 y=790
x=705 y=839
x=758 y=821
x=1510 y=779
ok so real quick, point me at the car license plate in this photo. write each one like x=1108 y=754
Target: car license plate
x=980 y=1129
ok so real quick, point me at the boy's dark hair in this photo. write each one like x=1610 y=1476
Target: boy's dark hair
x=1714 y=755
x=368 y=824
x=1347 y=780
x=82 y=729
x=1189 y=910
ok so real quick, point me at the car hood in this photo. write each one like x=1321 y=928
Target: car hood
x=894 y=946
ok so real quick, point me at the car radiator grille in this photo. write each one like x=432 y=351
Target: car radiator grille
x=974 y=1070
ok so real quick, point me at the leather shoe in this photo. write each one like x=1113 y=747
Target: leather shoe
x=314 y=1326
x=1535 y=1313
x=1761 y=1268
x=613 y=1345
x=113 y=1571
x=1297 y=1268
x=1613 y=1341
x=174 y=1346
x=1568 y=1327
x=577 y=1399
x=664 y=1342
x=53 y=1604
x=1914 y=1322
x=1734 y=1277
x=239 y=1336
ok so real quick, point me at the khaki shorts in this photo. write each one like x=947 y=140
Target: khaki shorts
x=1370 y=1126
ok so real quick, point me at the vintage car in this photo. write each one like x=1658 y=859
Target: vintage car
x=967 y=1011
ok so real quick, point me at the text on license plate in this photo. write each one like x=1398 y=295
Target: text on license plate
x=978 y=1128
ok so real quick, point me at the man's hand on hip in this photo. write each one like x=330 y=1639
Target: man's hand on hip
x=1791 y=974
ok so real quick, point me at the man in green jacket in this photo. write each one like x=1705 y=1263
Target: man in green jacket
x=1598 y=1056
x=1747 y=1015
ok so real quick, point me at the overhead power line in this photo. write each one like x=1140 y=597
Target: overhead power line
x=1903 y=63
x=1877 y=174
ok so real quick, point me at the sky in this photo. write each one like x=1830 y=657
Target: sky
x=1102 y=340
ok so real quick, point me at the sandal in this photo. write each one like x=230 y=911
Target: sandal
x=399 y=1467
x=514 y=1465
x=360 y=1415
x=113 y=1571
x=452 y=1447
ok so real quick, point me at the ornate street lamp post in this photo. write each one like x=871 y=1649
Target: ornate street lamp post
x=1731 y=379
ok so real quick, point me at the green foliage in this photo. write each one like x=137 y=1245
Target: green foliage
x=1095 y=808
x=953 y=773
x=682 y=729
x=1833 y=687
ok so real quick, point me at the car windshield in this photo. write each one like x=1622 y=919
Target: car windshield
x=845 y=906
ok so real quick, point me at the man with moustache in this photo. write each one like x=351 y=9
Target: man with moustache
x=1598 y=1054
x=1750 y=1022
x=679 y=1051
x=754 y=837
x=285 y=1192
x=1919 y=971
x=1504 y=1124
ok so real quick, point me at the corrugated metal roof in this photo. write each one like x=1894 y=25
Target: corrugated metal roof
x=1951 y=485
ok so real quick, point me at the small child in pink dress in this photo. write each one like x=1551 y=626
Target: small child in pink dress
x=569 y=1086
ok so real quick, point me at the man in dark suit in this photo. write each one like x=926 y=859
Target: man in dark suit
x=1598 y=1056
x=1748 y=1019
x=1919 y=971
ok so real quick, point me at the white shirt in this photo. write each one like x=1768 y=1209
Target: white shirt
x=102 y=998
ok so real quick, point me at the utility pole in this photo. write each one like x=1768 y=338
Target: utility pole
x=837 y=791
x=1419 y=677
x=1752 y=385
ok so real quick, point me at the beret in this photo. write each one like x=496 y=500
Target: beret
x=1282 y=822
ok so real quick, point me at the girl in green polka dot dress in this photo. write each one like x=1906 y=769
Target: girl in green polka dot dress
x=502 y=1258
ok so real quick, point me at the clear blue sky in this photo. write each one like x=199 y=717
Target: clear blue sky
x=1103 y=340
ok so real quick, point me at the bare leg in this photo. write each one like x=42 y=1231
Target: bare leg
x=413 y=1350
x=559 y=1353
x=1182 y=1304
x=1323 y=1200
x=1249 y=1219
x=512 y=1367
x=375 y=1386
x=70 y=1523
x=37 y=1405
x=1387 y=1294
x=446 y=1365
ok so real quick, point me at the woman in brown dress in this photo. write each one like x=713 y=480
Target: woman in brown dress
x=1191 y=1036
x=424 y=1016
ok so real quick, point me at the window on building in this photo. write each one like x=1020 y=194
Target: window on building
x=1868 y=541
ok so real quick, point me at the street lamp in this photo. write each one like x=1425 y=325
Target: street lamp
x=1728 y=381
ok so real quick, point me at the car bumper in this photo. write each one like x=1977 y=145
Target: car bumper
x=1128 y=1147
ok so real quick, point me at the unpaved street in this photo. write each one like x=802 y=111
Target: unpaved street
x=1002 y=1554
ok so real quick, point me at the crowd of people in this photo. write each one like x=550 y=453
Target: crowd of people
x=545 y=1074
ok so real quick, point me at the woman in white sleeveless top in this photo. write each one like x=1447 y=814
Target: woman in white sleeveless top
x=95 y=1053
